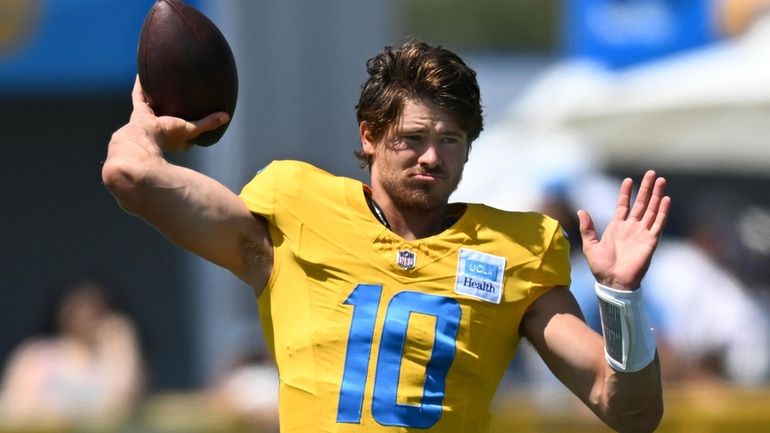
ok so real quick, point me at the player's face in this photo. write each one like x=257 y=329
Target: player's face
x=420 y=160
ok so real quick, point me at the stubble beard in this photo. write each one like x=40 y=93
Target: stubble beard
x=414 y=195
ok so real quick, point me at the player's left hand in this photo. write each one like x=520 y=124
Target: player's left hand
x=621 y=257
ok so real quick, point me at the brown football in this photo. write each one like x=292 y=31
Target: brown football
x=186 y=66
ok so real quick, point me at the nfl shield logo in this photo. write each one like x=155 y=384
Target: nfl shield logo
x=405 y=259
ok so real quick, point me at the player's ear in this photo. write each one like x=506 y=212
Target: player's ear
x=367 y=138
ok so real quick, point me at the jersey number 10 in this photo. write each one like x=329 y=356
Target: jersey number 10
x=365 y=300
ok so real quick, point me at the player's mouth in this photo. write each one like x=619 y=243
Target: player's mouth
x=427 y=176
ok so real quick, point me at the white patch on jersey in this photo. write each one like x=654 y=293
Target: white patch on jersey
x=480 y=275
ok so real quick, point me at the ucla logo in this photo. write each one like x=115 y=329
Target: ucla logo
x=480 y=269
x=406 y=259
x=18 y=21
x=480 y=275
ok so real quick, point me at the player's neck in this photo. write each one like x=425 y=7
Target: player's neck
x=410 y=224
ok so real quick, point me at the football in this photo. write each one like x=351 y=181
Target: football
x=185 y=66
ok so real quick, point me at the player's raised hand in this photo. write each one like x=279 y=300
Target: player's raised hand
x=170 y=133
x=620 y=258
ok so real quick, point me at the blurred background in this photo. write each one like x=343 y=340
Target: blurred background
x=105 y=326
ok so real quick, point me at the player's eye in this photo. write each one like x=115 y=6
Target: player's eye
x=405 y=141
x=453 y=140
x=410 y=140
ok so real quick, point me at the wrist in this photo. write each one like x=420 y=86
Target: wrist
x=617 y=285
x=629 y=342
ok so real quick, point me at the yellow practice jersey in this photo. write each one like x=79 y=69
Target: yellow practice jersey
x=373 y=333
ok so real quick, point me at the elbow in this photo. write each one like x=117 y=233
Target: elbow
x=117 y=176
x=655 y=417
x=646 y=421
x=127 y=163
x=123 y=178
x=650 y=420
x=635 y=404
x=121 y=181
x=130 y=167
x=120 y=177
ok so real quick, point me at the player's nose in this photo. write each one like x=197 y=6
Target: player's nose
x=430 y=154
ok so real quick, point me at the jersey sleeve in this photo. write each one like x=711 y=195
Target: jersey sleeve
x=288 y=194
x=554 y=266
x=259 y=193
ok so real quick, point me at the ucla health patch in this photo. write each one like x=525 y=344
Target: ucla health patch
x=480 y=275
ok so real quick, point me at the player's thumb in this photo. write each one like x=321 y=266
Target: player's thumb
x=587 y=228
x=208 y=123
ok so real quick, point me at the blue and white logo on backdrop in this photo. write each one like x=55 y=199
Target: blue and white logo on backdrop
x=620 y=33
x=70 y=45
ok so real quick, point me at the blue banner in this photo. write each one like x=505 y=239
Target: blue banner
x=621 y=33
x=69 y=45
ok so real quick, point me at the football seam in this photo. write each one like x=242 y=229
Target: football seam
x=145 y=54
x=186 y=21
x=200 y=42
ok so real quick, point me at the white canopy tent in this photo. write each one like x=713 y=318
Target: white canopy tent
x=708 y=109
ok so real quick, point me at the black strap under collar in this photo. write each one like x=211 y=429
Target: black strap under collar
x=377 y=211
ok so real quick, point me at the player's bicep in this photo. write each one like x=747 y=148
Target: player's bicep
x=571 y=349
x=204 y=217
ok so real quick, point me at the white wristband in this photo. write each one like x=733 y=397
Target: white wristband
x=629 y=343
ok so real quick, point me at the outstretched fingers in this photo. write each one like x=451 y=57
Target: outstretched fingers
x=624 y=199
x=653 y=206
x=641 y=204
x=661 y=216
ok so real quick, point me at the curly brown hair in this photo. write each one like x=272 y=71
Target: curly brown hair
x=417 y=70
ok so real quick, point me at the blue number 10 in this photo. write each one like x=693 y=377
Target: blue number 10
x=386 y=410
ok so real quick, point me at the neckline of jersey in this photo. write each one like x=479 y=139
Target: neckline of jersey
x=359 y=211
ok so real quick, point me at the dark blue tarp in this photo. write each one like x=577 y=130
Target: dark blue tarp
x=69 y=45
